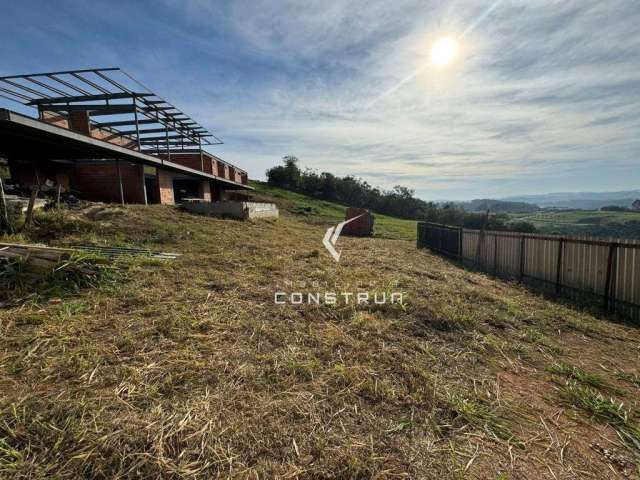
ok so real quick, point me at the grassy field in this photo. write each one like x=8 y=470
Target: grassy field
x=583 y=222
x=322 y=212
x=188 y=369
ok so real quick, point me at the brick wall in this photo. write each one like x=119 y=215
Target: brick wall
x=54 y=119
x=192 y=160
x=216 y=192
x=27 y=174
x=99 y=182
x=165 y=187
x=78 y=121
x=223 y=170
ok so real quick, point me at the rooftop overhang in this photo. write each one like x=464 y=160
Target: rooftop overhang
x=23 y=137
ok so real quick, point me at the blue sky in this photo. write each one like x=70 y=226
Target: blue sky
x=544 y=95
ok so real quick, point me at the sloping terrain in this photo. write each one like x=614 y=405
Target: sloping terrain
x=189 y=369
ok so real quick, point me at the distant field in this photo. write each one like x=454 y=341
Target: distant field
x=584 y=222
x=323 y=212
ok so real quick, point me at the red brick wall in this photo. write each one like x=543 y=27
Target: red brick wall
x=25 y=173
x=192 y=160
x=165 y=187
x=79 y=122
x=99 y=182
x=223 y=170
x=216 y=192
x=54 y=119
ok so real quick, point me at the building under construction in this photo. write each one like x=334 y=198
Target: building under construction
x=104 y=136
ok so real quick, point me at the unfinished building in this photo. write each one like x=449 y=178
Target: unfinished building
x=104 y=136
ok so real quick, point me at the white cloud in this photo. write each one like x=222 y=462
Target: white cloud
x=541 y=88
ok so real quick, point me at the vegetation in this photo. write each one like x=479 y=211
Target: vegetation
x=324 y=212
x=188 y=369
x=614 y=208
x=19 y=282
x=398 y=202
x=605 y=410
x=498 y=206
x=581 y=376
x=584 y=222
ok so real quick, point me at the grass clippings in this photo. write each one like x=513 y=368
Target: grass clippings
x=189 y=369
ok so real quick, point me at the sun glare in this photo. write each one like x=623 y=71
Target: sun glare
x=443 y=52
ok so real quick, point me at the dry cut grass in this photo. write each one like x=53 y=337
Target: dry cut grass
x=188 y=369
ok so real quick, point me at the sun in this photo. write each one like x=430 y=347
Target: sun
x=443 y=51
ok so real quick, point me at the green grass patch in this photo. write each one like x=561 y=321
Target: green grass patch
x=631 y=378
x=604 y=410
x=481 y=416
x=319 y=211
x=19 y=282
x=581 y=376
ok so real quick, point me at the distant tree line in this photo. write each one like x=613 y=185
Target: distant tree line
x=615 y=208
x=499 y=206
x=397 y=202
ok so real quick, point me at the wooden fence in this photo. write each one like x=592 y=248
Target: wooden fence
x=584 y=268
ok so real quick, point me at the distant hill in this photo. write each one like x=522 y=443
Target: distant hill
x=497 y=206
x=579 y=200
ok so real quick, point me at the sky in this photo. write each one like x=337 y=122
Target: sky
x=543 y=95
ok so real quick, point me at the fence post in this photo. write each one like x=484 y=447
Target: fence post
x=613 y=248
x=495 y=254
x=460 y=254
x=522 y=243
x=559 y=265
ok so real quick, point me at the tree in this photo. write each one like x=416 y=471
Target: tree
x=287 y=175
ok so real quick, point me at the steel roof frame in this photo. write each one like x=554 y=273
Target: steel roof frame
x=74 y=87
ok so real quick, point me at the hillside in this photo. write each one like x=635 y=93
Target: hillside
x=326 y=213
x=497 y=206
x=580 y=200
x=584 y=222
x=188 y=369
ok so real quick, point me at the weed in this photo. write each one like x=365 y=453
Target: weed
x=480 y=416
x=604 y=410
x=631 y=378
x=581 y=376
x=80 y=271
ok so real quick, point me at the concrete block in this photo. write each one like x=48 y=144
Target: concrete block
x=240 y=210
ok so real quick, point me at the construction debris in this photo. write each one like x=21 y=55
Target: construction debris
x=19 y=205
x=34 y=271
x=124 y=251
x=35 y=257
x=29 y=272
x=12 y=250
